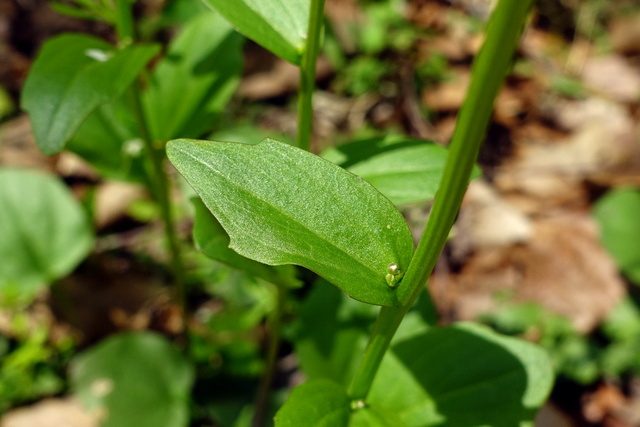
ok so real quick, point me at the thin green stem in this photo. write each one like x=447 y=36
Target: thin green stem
x=489 y=69
x=160 y=188
x=308 y=74
x=124 y=22
x=264 y=391
x=158 y=181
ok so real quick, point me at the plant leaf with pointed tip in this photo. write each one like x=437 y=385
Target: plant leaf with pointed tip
x=283 y=205
x=72 y=76
x=278 y=25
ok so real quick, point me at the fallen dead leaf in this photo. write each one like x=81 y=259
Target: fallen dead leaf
x=612 y=76
x=65 y=412
x=18 y=147
x=602 y=402
x=562 y=266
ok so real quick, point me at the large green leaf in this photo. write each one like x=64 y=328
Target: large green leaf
x=73 y=75
x=210 y=238
x=283 y=205
x=406 y=170
x=618 y=214
x=278 y=25
x=193 y=83
x=45 y=233
x=135 y=379
x=464 y=375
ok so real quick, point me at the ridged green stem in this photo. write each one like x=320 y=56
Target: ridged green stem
x=489 y=70
x=308 y=74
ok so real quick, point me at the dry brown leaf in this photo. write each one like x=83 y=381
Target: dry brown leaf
x=562 y=266
x=18 y=146
x=612 y=76
x=449 y=95
x=67 y=412
x=602 y=402
x=113 y=199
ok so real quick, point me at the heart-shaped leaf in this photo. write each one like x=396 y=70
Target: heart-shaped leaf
x=283 y=205
x=45 y=232
x=73 y=75
x=278 y=25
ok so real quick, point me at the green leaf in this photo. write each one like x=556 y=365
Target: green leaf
x=405 y=170
x=72 y=76
x=45 y=232
x=317 y=403
x=618 y=214
x=210 y=238
x=135 y=376
x=283 y=205
x=463 y=375
x=278 y=25
x=193 y=83
x=331 y=348
x=108 y=140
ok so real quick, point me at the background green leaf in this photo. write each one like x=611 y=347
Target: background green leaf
x=317 y=403
x=330 y=334
x=45 y=233
x=135 y=378
x=210 y=238
x=193 y=83
x=283 y=205
x=406 y=170
x=463 y=375
x=73 y=75
x=109 y=141
x=332 y=348
x=278 y=25
x=618 y=213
